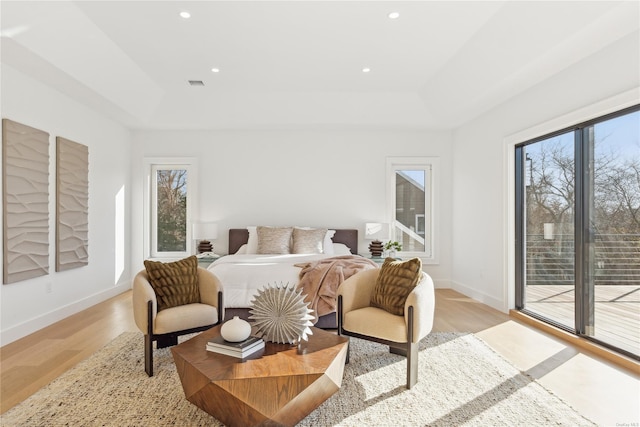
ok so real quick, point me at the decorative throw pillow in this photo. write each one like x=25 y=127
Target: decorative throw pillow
x=395 y=282
x=175 y=283
x=308 y=240
x=327 y=246
x=252 y=241
x=339 y=249
x=274 y=240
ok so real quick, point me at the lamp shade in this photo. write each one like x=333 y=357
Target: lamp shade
x=376 y=231
x=205 y=230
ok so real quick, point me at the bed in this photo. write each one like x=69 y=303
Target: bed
x=318 y=269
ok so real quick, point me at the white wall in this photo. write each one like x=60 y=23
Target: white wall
x=26 y=306
x=316 y=178
x=483 y=183
x=306 y=178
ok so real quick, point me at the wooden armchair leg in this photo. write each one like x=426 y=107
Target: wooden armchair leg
x=340 y=330
x=397 y=350
x=412 y=353
x=148 y=342
x=148 y=355
x=164 y=341
x=412 y=364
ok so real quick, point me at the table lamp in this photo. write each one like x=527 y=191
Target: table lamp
x=376 y=231
x=205 y=232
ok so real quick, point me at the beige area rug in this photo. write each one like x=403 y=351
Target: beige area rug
x=461 y=382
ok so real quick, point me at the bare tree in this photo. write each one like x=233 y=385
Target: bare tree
x=172 y=209
x=618 y=201
x=551 y=190
x=551 y=193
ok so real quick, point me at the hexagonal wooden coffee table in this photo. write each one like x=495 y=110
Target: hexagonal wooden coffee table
x=277 y=386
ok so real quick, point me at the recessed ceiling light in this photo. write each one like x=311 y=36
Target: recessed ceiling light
x=366 y=70
x=185 y=14
x=394 y=15
x=215 y=70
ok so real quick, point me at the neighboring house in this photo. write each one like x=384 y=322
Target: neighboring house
x=410 y=203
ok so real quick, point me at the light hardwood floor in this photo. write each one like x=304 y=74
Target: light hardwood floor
x=604 y=392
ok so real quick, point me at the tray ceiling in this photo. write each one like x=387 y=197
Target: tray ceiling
x=292 y=64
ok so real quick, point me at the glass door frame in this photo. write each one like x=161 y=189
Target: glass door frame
x=584 y=238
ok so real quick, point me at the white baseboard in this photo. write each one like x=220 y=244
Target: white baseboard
x=441 y=283
x=30 y=326
x=493 y=302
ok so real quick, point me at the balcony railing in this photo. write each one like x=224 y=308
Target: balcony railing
x=616 y=280
x=616 y=260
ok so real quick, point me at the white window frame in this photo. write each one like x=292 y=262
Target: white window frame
x=151 y=165
x=432 y=200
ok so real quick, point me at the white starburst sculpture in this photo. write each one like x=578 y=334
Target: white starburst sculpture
x=281 y=315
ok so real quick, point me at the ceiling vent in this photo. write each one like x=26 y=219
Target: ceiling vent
x=196 y=82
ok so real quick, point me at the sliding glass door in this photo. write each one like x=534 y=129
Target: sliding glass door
x=549 y=238
x=614 y=225
x=578 y=229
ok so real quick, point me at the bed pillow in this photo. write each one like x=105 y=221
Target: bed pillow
x=242 y=250
x=308 y=240
x=252 y=242
x=274 y=240
x=395 y=282
x=174 y=283
x=327 y=245
x=340 y=249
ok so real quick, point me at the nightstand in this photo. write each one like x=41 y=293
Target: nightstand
x=205 y=262
x=380 y=260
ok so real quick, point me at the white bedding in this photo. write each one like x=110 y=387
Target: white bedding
x=243 y=275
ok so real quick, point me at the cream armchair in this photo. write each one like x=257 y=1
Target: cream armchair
x=165 y=326
x=356 y=318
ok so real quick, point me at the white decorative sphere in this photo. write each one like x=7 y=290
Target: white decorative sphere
x=235 y=330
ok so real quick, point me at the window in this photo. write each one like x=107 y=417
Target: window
x=170 y=186
x=411 y=201
x=578 y=229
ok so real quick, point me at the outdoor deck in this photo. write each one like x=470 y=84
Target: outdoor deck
x=617 y=311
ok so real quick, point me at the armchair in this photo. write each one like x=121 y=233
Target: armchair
x=402 y=333
x=166 y=325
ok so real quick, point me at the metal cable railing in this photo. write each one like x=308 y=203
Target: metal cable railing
x=616 y=259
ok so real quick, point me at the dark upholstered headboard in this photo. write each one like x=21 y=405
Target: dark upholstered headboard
x=347 y=236
x=237 y=238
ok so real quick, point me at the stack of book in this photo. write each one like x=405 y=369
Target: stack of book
x=240 y=349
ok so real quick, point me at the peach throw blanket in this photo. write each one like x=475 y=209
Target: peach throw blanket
x=319 y=280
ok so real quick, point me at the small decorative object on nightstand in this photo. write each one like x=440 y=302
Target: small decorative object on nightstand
x=393 y=247
x=376 y=231
x=204 y=231
x=205 y=259
x=376 y=248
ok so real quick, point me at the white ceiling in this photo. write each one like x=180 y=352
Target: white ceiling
x=298 y=64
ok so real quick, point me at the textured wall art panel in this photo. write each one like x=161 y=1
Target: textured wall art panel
x=72 y=208
x=25 y=198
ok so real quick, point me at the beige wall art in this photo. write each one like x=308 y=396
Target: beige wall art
x=72 y=207
x=25 y=198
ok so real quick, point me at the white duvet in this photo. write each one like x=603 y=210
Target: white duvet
x=243 y=275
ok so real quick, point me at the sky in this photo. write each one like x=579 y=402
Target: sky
x=619 y=136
